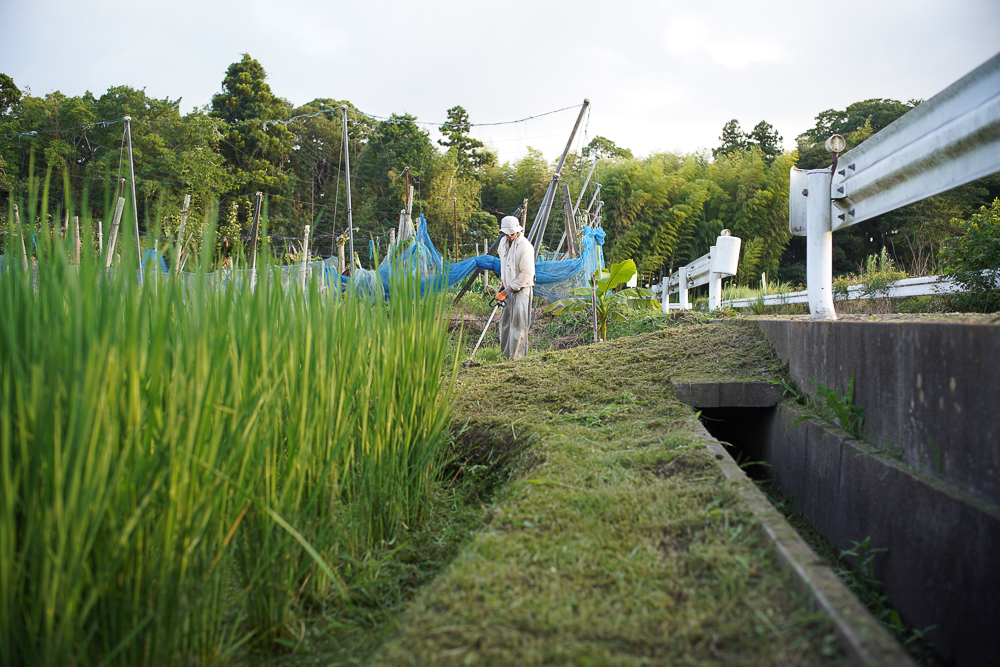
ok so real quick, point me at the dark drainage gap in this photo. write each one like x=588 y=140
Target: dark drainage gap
x=744 y=432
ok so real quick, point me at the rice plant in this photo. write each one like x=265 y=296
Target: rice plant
x=183 y=466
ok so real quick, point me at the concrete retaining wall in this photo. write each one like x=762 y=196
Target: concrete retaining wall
x=936 y=549
x=929 y=389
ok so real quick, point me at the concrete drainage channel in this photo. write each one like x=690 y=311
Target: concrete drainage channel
x=935 y=546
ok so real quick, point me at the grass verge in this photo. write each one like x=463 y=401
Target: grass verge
x=621 y=544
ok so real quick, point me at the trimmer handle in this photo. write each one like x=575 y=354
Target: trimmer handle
x=499 y=299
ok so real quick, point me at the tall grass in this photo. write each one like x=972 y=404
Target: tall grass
x=183 y=469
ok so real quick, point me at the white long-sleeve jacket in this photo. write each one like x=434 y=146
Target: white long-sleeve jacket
x=517 y=263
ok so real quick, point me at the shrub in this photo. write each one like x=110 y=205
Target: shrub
x=973 y=260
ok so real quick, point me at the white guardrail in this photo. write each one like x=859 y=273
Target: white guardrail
x=947 y=141
x=924 y=286
x=722 y=260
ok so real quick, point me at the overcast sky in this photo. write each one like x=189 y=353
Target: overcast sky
x=660 y=75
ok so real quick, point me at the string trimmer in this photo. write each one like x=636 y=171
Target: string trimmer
x=498 y=300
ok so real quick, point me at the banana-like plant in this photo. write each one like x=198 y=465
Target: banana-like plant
x=610 y=304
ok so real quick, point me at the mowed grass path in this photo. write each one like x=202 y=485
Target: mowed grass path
x=619 y=541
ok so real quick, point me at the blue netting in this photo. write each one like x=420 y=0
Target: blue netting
x=418 y=256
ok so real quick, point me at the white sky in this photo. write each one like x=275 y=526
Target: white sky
x=661 y=75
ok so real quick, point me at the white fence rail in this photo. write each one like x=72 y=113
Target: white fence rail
x=924 y=286
x=722 y=260
x=947 y=141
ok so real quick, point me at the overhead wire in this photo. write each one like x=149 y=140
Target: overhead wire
x=393 y=119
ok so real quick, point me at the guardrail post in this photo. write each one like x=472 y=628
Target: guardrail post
x=665 y=295
x=683 y=288
x=819 y=245
x=714 y=282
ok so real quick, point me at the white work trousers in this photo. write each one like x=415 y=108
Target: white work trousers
x=514 y=322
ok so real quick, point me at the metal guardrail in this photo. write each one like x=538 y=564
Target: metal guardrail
x=722 y=260
x=947 y=141
x=923 y=286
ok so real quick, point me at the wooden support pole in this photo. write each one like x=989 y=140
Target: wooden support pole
x=115 y=224
x=20 y=233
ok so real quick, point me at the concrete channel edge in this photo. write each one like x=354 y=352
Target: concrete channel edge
x=863 y=638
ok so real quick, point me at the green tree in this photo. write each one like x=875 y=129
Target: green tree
x=254 y=149
x=397 y=147
x=10 y=97
x=765 y=137
x=316 y=193
x=470 y=154
x=605 y=149
x=10 y=94
x=870 y=115
x=732 y=140
x=506 y=186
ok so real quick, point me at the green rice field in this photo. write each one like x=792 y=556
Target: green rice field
x=185 y=470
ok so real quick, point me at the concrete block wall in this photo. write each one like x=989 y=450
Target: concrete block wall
x=931 y=390
x=935 y=548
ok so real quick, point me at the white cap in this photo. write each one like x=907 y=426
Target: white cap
x=510 y=225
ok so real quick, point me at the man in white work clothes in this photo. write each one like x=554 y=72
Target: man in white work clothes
x=517 y=275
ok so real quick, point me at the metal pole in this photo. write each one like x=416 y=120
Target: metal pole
x=254 y=232
x=585 y=184
x=594 y=198
x=543 y=212
x=454 y=208
x=347 y=161
x=135 y=206
x=305 y=257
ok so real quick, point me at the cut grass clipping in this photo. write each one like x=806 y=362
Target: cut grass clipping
x=623 y=544
x=186 y=469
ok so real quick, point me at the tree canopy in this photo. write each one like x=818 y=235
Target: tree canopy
x=661 y=210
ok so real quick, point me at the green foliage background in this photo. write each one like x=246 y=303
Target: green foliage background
x=661 y=210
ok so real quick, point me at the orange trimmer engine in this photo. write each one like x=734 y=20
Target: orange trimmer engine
x=498 y=300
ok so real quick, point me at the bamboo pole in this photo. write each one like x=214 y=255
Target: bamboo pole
x=100 y=238
x=76 y=238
